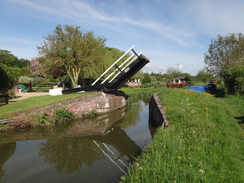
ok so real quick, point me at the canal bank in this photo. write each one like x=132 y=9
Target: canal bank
x=94 y=104
x=70 y=153
x=204 y=143
x=119 y=142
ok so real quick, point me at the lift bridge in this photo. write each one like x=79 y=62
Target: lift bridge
x=119 y=76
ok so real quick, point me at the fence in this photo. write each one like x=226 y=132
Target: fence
x=42 y=87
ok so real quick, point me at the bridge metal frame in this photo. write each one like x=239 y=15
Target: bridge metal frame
x=119 y=76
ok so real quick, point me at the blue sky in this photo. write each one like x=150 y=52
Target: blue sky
x=169 y=32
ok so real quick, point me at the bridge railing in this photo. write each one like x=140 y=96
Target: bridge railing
x=118 y=68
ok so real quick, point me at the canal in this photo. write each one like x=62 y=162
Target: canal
x=94 y=150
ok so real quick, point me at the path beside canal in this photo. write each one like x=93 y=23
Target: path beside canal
x=22 y=96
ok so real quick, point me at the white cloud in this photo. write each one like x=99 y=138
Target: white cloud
x=169 y=32
x=77 y=10
x=214 y=17
x=179 y=67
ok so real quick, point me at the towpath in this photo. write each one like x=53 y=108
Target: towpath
x=22 y=96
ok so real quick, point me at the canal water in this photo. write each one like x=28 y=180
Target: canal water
x=94 y=150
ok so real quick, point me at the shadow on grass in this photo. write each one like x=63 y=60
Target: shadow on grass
x=219 y=93
x=240 y=120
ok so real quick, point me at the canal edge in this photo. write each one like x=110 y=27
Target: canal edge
x=157 y=114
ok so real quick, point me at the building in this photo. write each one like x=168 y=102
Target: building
x=133 y=83
x=178 y=82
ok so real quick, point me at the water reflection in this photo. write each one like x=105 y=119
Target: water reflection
x=69 y=154
x=122 y=142
x=87 y=150
x=96 y=126
x=6 y=151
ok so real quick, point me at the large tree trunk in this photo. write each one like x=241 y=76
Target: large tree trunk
x=74 y=75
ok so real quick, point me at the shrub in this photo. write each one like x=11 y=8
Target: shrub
x=41 y=118
x=151 y=85
x=146 y=79
x=39 y=80
x=234 y=79
x=93 y=113
x=63 y=114
x=51 y=79
x=66 y=80
x=6 y=81
x=25 y=79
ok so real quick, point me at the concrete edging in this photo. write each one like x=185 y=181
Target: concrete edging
x=157 y=114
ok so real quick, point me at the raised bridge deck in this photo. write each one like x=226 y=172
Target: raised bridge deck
x=120 y=78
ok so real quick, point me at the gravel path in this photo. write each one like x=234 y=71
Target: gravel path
x=22 y=96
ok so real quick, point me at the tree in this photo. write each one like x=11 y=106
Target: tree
x=94 y=70
x=226 y=58
x=234 y=79
x=72 y=49
x=6 y=81
x=36 y=68
x=146 y=78
x=7 y=58
x=224 y=52
x=204 y=76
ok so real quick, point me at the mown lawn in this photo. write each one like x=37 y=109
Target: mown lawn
x=204 y=142
x=10 y=110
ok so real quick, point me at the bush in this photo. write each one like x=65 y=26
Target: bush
x=93 y=113
x=39 y=80
x=41 y=118
x=146 y=79
x=51 y=79
x=151 y=85
x=234 y=79
x=66 y=80
x=25 y=79
x=6 y=81
x=63 y=114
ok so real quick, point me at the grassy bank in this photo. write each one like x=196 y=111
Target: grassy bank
x=135 y=94
x=204 y=142
x=10 y=110
x=13 y=109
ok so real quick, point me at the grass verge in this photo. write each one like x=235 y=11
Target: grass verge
x=10 y=110
x=204 y=142
x=135 y=94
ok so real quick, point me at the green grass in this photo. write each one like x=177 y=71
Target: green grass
x=204 y=142
x=135 y=94
x=235 y=106
x=10 y=110
x=199 y=84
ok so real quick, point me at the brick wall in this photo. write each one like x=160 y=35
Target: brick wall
x=101 y=102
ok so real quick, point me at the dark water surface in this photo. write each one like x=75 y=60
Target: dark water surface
x=94 y=150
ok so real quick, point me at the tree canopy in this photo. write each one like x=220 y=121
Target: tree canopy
x=71 y=49
x=224 y=52
x=6 y=81
x=7 y=58
x=204 y=76
x=225 y=57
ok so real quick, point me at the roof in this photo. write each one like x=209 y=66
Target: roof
x=180 y=77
